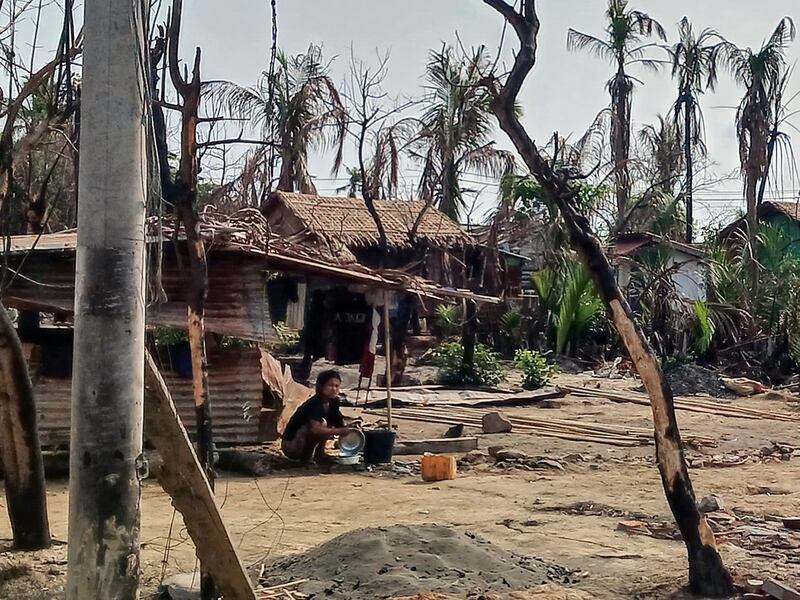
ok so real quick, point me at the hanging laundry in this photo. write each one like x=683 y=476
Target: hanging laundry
x=367 y=367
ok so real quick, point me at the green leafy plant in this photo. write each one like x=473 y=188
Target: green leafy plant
x=580 y=305
x=448 y=319
x=487 y=369
x=511 y=325
x=704 y=328
x=170 y=336
x=536 y=371
x=673 y=361
x=229 y=342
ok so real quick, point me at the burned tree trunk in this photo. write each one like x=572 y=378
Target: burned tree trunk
x=707 y=574
x=19 y=438
x=185 y=201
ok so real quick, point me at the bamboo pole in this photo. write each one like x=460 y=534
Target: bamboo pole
x=688 y=404
x=387 y=346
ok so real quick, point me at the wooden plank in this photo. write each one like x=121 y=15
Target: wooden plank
x=436 y=446
x=779 y=590
x=179 y=473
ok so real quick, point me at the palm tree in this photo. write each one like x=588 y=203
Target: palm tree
x=763 y=74
x=695 y=61
x=662 y=164
x=299 y=110
x=623 y=46
x=456 y=128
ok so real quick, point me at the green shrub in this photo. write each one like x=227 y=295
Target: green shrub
x=232 y=343
x=511 y=325
x=486 y=370
x=170 y=336
x=448 y=320
x=535 y=369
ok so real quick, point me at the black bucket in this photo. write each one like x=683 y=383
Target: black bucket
x=378 y=446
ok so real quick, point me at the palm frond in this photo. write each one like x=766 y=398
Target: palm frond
x=579 y=42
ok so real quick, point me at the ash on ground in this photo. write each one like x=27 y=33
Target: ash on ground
x=403 y=560
x=688 y=380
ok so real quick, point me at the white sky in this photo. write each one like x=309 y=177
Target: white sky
x=564 y=93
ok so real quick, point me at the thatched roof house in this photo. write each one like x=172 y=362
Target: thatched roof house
x=785 y=215
x=344 y=228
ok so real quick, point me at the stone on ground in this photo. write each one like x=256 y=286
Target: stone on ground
x=494 y=422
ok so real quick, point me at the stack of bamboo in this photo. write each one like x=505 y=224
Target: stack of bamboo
x=697 y=405
x=612 y=435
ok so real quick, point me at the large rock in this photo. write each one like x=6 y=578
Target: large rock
x=709 y=504
x=494 y=422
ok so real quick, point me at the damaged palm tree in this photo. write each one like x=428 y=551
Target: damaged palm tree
x=707 y=574
x=624 y=46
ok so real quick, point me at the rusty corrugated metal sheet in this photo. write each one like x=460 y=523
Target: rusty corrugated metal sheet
x=235 y=387
x=236 y=390
x=237 y=303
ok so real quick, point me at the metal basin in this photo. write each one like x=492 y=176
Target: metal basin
x=352 y=442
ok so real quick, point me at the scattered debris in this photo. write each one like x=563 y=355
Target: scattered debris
x=661 y=530
x=691 y=379
x=768 y=454
x=741 y=386
x=456 y=431
x=474 y=457
x=779 y=591
x=709 y=504
x=283 y=591
x=611 y=370
x=494 y=422
x=549 y=404
x=499 y=453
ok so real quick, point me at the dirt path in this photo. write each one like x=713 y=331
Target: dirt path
x=529 y=512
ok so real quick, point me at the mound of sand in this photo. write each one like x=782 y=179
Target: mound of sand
x=390 y=562
x=544 y=592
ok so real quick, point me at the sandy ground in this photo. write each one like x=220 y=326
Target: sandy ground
x=527 y=512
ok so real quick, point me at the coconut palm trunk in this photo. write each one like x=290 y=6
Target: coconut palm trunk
x=688 y=157
x=707 y=574
x=621 y=89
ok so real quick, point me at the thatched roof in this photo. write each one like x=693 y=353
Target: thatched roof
x=766 y=211
x=246 y=232
x=347 y=220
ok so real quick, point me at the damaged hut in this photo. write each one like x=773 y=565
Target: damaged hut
x=422 y=241
x=245 y=263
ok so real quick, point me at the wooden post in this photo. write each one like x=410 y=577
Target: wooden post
x=180 y=474
x=20 y=453
x=387 y=347
x=108 y=368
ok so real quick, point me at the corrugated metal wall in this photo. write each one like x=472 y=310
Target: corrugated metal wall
x=236 y=396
